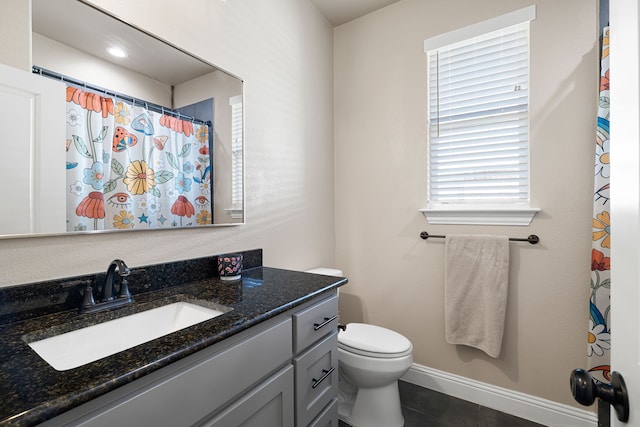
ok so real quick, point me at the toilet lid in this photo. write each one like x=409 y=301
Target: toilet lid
x=374 y=341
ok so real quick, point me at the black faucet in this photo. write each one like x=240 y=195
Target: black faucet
x=108 y=297
x=108 y=288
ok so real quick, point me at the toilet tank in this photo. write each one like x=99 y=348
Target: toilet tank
x=325 y=271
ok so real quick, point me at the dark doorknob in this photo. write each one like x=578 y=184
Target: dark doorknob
x=586 y=389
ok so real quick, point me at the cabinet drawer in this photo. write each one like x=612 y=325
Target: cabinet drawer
x=316 y=378
x=315 y=322
x=328 y=417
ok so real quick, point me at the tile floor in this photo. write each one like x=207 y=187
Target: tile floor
x=426 y=408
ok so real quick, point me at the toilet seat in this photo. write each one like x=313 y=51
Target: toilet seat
x=373 y=341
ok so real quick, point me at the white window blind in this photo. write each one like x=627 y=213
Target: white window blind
x=236 y=152
x=478 y=119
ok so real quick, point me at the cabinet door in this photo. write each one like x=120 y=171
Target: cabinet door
x=316 y=379
x=268 y=405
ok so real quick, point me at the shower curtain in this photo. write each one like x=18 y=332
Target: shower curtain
x=599 y=339
x=132 y=168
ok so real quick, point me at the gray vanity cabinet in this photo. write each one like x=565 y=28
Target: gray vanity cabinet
x=195 y=388
x=279 y=373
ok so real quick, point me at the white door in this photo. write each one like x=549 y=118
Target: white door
x=32 y=153
x=625 y=200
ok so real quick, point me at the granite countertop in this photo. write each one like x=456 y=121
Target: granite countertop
x=31 y=391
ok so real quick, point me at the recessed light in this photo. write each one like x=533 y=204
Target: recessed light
x=116 y=51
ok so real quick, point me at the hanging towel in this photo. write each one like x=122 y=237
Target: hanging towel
x=476 y=285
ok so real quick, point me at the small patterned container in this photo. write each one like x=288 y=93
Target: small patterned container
x=230 y=266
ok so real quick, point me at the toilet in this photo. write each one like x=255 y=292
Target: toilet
x=371 y=359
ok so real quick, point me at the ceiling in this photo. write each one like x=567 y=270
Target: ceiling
x=146 y=55
x=340 y=11
x=147 y=50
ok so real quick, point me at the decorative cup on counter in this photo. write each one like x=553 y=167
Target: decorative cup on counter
x=230 y=266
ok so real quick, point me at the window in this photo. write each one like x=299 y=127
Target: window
x=236 y=156
x=478 y=120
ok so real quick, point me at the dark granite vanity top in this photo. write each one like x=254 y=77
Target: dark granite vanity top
x=31 y=391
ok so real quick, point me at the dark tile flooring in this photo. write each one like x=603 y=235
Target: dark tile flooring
x=422 y=407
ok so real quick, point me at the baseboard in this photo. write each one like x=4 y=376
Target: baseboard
x=521 y=405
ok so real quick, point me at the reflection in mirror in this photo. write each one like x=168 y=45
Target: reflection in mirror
x=153 y=136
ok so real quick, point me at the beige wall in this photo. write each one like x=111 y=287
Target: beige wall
x=15 y=33
x=283 y=50
x=396 y=278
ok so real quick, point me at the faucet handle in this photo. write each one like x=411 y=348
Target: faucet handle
x=87 y=298
x=124 y=284
x=124 y=289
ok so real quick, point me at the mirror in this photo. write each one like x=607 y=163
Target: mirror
x=153 y=139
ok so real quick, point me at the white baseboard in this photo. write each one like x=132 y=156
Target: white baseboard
x=521 y=405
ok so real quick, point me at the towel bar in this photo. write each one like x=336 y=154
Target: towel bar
x=532 y=238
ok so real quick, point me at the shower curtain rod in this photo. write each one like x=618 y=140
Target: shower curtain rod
x=148 y=105
x=533 y=239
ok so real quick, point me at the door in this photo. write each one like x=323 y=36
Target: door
x=625 y=200
x=32 y=119
x=624 y=58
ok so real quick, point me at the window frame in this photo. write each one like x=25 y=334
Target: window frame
x=237 y=157
x=480 y=213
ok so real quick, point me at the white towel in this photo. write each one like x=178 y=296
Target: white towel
x=476 y=286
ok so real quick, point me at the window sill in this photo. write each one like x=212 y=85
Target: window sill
x=486 y=216
x=235 y=213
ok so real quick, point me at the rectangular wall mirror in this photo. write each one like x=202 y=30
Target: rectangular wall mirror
x=149 y=139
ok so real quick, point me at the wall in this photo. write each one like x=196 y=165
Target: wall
x=220 y=87
x=395 y=278
x=15 y=36
x=283 y=52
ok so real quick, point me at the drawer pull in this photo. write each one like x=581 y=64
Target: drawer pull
x=327 y=320
x=324 y=376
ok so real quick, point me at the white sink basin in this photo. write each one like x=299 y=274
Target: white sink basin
x=86 y=345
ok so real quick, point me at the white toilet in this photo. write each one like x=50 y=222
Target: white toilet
x=371 y=359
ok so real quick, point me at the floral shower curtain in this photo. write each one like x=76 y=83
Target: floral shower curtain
x=132 y=168
x=599 y=339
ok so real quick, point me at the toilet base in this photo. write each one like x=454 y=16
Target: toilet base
x=373 y=407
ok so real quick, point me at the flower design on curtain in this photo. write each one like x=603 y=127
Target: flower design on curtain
x=132 y=168
x=599 y=332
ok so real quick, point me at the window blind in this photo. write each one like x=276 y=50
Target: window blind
x=236 y=152
x=478 y=119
